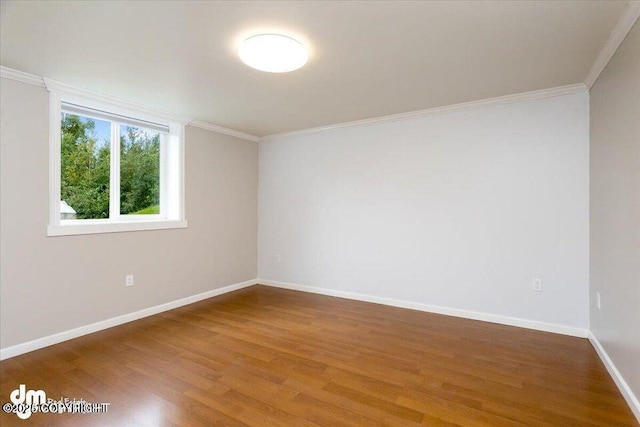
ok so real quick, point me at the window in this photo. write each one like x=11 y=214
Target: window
x=112 y=169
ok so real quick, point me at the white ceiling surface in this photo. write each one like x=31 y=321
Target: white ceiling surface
x=367 y=59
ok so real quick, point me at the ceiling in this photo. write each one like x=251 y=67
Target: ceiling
x=367 y=59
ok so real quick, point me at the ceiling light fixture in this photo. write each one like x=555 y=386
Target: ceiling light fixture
x=273 y=53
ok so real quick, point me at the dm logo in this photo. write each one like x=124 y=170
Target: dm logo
x=25 y=399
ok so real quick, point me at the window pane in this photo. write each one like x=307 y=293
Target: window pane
x=85 y=160
x=139 y=171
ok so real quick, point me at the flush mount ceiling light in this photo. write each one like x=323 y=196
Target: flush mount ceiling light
x=273 y=53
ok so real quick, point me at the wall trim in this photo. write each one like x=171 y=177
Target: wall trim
x=64 y=88
x=114 y=227
x=620 y=31
x=524 y=96
x=226 y=131
x=624 y=388
x=20 y=76
x=467 y=314
x=38 y=343
x=53 y=85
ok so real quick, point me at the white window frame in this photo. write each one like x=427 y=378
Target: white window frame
x=172 y=213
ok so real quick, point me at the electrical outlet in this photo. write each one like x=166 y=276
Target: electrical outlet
x=278 y=258
x=537 y=285
x=598 y=300
x=128 y=280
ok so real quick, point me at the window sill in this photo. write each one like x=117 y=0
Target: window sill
x=112 y=227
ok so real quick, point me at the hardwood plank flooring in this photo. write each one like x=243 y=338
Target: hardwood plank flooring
x=271 y=357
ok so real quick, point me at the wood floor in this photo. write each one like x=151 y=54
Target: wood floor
x=270 y=357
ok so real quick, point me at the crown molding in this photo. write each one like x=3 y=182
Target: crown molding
x=622 y=28
x=219 y=129
x=525 y=96
x=10 y=73
x=56 y=86
x=53 y=85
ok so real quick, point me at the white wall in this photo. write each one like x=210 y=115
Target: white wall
x=53 y=284
x=459 y=210
x=615 y=210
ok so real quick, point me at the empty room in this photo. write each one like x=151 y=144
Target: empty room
x=320 y=213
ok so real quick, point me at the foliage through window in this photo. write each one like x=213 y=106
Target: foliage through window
x=139 y=171
x=86 y=169
x=113 y=169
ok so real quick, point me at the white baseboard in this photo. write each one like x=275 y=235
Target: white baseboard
x=39 y=343
x=626 y=391
x=467 y=314
x=624 y=388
